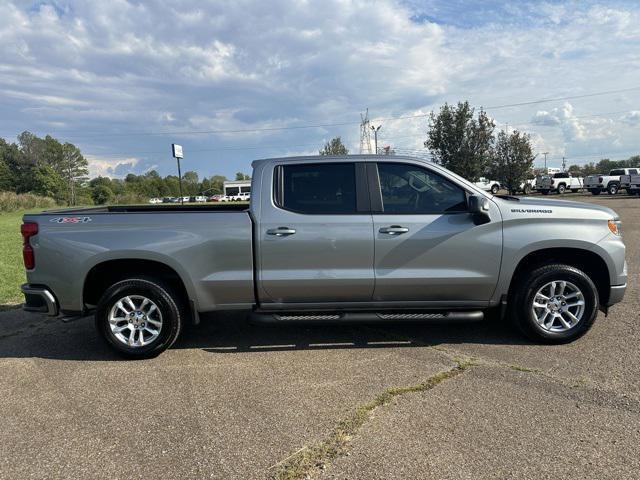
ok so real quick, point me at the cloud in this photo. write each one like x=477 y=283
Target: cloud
x=113 y=76
x=113 y=168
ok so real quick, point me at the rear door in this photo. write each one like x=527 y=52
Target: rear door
x=427 y=247
x=316 y=234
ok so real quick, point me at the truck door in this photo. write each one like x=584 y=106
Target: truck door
x=316 y=234
x=427 y=247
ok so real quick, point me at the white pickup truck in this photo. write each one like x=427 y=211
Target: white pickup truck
x=558 y=182
x=487 y=185
x=608 y=183
x=631 y=182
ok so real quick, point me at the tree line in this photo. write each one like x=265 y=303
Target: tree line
x=49 y=168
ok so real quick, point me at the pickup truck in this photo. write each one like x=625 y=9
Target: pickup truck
x=488 y=185
x=630 y=182
x=558 y=182
x=597 y=184
x=329 y=239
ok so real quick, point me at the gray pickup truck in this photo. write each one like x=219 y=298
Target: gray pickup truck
x=329 y=239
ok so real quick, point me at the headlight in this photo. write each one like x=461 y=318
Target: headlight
x=616 y=227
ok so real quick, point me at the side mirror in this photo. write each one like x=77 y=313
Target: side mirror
x=479 y=209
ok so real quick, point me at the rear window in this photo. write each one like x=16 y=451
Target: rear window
x=561 y=175
x=319 y=188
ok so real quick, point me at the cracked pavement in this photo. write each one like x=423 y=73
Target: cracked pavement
x=232 y=400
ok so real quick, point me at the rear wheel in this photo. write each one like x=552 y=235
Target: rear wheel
x=595 y=192
x=554 y=304
x=139 y=317
x=495 y=189
x=561 y=189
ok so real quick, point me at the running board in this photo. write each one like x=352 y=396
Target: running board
x=364 y=317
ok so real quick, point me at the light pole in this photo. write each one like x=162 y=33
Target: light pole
x=177 y=154
x=375 y=136
x=545 y=159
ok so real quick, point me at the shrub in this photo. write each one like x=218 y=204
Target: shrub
x=10 y=202
x=130 y=199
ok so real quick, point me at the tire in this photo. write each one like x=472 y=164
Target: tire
x=495 y=189
x=613 y=188
x=553 y=330
x=527 y=189
x=544 y=192
x=595 y=192
x=562 y=188
x=168 y=315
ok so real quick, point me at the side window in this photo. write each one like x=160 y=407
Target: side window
x=412 y=189
x=318 y=188
x=633 y=171
x=616 y=173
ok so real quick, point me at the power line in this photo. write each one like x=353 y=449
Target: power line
x=330 y=124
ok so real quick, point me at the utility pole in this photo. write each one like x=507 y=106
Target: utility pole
x=177 y=154
x=564 y=164
x=545 y=160
x=375 y=136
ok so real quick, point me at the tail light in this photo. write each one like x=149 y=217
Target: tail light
x=600 y=179
x=28 y=230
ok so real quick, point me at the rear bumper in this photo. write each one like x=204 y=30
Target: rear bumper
x=616 y=294
x=39 y=299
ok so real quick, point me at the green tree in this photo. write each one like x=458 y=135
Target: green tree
x=102 y=194
x=460 y=142
x=334 y=147
x=74 y=170
x=242 y=176
x=190 y=183
x=512 y=159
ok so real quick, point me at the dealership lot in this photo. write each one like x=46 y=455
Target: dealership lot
x=238 y=401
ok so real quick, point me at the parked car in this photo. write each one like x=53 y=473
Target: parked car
x=242 y=197
x=487 y=185
x=197 y=199
x=214 y=198
x=528 y=186
x=630 y=182
x=155 y=201
x=353 y=238
x=559 y=183
x=169 y=200
x=597 y=184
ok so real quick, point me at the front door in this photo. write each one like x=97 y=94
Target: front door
x=427 y=247
x=315 y=234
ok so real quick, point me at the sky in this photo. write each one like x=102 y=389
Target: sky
x=236 y=81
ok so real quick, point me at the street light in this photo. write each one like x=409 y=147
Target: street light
x=375 y=136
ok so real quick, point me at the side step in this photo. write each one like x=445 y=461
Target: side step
x=364 y=317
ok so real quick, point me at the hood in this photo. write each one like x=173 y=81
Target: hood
x=565 y=207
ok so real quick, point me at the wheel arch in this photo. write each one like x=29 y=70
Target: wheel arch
x=586 y=260
x=105 y=273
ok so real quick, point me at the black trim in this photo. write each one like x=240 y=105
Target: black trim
x=375 y=192
x=363 y=203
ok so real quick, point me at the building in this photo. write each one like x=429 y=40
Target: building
x=235 y=187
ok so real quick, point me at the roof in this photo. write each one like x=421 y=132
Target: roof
x=352 y=158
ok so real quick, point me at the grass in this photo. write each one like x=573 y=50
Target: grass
x=303 y=462
x=11 y=268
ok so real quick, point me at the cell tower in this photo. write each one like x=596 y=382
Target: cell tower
x=365 y=133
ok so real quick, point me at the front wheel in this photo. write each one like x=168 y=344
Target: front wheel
x=561 y=189
x=554 y=304
x=139 y=317
x=612 y=189
x=495 y=189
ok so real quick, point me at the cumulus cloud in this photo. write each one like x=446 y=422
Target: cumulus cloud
x=114 y=76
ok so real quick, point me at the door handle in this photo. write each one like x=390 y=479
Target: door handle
x=394 y=230
x=281 y=231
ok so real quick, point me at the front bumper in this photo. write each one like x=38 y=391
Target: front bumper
x=39 y=299
x=616 y=294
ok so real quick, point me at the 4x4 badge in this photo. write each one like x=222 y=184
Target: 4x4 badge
x=71 y=219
